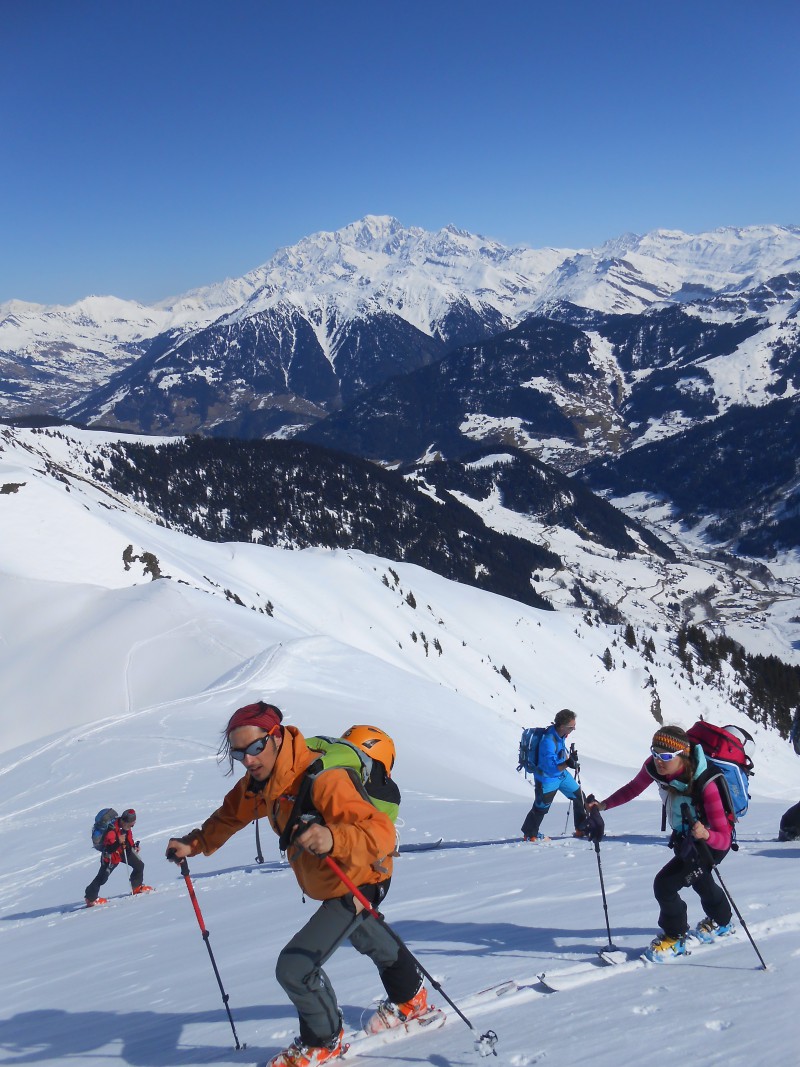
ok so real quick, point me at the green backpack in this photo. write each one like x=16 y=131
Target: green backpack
x=368 y=775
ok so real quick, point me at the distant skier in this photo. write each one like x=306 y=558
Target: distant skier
x=680 y=769
x=551 y=776
x=344 y=825
x=117 y=846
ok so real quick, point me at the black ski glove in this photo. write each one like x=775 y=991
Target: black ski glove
x=593 y=825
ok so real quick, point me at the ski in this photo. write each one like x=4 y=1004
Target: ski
x=595 y=971
x=359 y=1043
x=693 y=943
x=422 y=846
x=607 y=963
x=102 y=903
x=621 y=962
x=426 y=846
x=518 y=988
x=440 y=843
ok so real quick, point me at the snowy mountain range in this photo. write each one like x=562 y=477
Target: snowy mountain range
x=325 y=321
x=406 y=347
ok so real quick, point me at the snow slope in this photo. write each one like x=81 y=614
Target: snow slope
x=115 y=688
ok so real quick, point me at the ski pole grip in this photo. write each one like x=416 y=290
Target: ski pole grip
x=172 y=856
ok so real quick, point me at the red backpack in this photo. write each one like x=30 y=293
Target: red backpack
x=726 y=756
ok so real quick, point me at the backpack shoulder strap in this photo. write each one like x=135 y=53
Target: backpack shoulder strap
x=713 y=773
x=304 y=805
x=710 y=774
x=650 y=767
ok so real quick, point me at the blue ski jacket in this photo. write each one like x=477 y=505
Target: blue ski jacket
x=552 y=752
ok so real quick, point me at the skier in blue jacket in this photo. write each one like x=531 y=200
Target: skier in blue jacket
x=551 y=776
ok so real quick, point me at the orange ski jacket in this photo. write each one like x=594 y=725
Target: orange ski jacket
x=363 y=836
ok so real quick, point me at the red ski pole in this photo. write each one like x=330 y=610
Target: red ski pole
x=485 y=1043
x=206 y=937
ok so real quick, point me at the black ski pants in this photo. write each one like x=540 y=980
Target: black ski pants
x=137 y=874
x=678 y=874
x=299 y=968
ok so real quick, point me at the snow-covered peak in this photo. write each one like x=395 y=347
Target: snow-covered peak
x=632 y=272
x=377 y=264
x=374 y=232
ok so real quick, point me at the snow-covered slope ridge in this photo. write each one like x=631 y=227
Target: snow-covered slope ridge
x=85 y=632
x=90 y=630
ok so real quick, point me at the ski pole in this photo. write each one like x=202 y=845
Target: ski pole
x=184 y=866
x=705 y=852
x=610 y=946
x=738 y=913
x=573 y=752
x=486 y=1043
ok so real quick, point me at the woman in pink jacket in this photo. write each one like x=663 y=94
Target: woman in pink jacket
x=701 y=834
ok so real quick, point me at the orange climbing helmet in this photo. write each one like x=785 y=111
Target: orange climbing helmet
x=376 y=743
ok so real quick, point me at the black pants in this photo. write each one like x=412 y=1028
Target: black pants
x=102 y=876
x=299 y=968
x=676 y=875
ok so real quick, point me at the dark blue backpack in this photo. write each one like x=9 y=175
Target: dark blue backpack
x=102 y=821
x=529 y=748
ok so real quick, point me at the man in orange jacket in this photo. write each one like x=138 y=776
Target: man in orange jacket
x=351 y=830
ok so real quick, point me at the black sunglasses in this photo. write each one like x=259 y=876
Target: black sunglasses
x=253 y=749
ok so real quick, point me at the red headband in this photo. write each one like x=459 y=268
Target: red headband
x=265 y=716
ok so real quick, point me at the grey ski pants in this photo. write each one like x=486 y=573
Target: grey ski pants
x=299 y=968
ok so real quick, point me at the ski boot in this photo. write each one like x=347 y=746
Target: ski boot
x=142 y=889
x=97 y=900
x=299 y=1054
x=389 y=1015
x=665 y=948
x=707 y=930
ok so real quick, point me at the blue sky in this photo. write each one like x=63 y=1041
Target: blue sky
x=150 y=147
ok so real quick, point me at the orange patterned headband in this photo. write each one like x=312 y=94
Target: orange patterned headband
x=670 y=744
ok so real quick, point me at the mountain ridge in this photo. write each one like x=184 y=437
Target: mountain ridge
x=452 y=286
